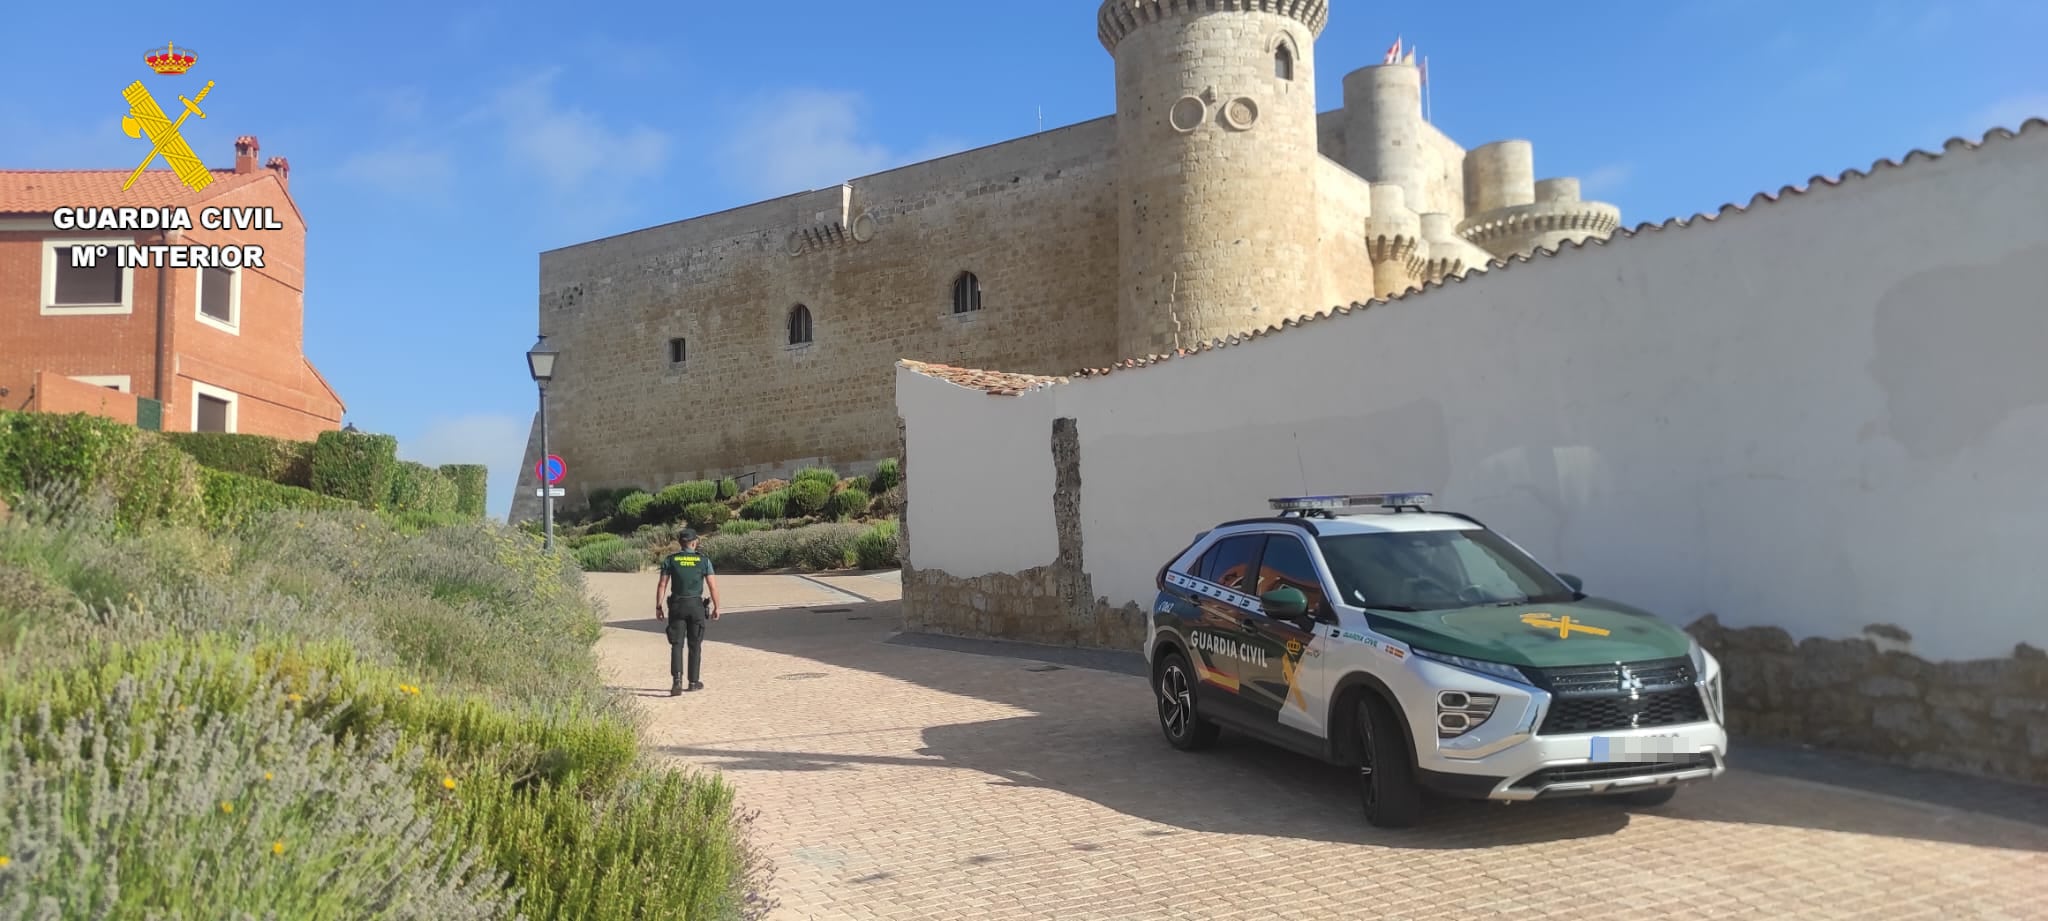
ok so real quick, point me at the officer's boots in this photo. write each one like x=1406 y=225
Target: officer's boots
x=676 y=689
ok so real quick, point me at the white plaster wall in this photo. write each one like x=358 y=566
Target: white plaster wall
x=978 y=477
x=1825 y=413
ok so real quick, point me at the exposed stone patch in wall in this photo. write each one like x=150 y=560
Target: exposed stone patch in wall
x=1870 y=695
x=1053 y=604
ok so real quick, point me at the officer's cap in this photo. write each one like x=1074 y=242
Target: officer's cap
x=687 y=535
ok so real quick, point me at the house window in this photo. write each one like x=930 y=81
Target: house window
x=966 y=293
x=677 y=351
x=799 y=325
x=213 y=409
x=1283 y=62
x=70 y=288
x=220 y=297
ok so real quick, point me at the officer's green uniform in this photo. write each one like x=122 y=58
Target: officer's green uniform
x=688 y=611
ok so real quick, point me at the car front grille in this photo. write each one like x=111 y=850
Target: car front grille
x=1595 y=773
x=1622 y=695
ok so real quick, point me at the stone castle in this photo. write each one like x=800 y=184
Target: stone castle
x=1215 y=201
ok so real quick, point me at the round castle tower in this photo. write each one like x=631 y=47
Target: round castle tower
x=1216 y=166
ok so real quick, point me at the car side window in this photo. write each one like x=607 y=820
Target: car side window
x=1287 y=563
x=1229 y=563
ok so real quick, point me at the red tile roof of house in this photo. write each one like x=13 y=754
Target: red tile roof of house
x=44 y=191
x=1000 y=383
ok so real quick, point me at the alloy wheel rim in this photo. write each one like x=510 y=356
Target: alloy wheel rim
x=1367 y=782
x=1175 y=704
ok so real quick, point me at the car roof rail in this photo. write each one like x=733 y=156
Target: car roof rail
x=1295 y=521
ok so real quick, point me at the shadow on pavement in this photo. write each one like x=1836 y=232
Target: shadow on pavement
x=1121 y=762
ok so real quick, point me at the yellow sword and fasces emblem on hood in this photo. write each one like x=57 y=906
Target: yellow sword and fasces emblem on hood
x=1564 y=625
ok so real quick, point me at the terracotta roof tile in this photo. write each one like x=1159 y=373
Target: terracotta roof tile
x=43 y=191
x=994 y=383
x=2028 y=127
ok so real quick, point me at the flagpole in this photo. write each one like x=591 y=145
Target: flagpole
x=1425 y=89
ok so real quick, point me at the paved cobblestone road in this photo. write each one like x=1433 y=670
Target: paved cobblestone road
x=898 y=782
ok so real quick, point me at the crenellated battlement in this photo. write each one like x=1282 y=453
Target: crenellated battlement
x=1521 y=228
x=1118 y=18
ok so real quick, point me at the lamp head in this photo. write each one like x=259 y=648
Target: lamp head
x=540 y=360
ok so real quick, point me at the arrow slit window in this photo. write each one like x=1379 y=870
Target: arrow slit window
x=799 y=325
x=1283 y=62
x=677 y=351
x=966 y=293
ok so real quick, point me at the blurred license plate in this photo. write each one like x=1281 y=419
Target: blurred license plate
x=1636 y=748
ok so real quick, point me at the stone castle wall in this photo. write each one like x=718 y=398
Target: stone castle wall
x=874 y=262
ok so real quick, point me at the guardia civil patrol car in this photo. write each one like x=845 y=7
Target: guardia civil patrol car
x=1431 y=653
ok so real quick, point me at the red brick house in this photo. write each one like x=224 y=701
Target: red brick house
x=175 y=348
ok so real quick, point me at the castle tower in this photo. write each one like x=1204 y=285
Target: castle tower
x=1509 y=211
x=1216 y=166
x=1383 y=130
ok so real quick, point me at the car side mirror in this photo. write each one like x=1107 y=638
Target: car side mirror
x=1577 y=584
x=1284 y=603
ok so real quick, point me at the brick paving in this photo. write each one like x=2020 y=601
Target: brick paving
x=905 y=782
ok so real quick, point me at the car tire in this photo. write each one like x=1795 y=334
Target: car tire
x=1386 y=779
x=1655 y=796
x=1180 y=716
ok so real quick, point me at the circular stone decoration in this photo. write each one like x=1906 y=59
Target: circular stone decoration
x=1241 y=113
x=795 y=244
x=864 y=227
x=1187 y=114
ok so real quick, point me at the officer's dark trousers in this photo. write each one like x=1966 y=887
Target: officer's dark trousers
x=687 y=618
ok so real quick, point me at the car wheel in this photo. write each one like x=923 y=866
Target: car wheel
x=1178 y=716
x=1386 y=780
x=1655 y=796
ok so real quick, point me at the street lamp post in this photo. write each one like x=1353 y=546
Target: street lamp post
x=540 y=360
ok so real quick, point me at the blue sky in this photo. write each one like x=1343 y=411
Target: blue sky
x=437 y=149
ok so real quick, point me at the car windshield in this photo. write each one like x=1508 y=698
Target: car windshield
x=1436 y=571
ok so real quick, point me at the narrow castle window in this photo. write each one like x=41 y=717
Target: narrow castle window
x=799 y=325
x=966 y=293
x=677 y=351
x=1283 y=63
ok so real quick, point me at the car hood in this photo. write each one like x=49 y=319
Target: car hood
x=1590 y=631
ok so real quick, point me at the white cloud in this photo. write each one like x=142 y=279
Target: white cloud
x=1605 y=180
x=495 y=440
x=2008 y=113
x=568 y=146
x=414 y=172
x=804 y=139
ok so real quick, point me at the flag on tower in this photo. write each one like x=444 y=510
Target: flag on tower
x=1394 y=52
x=1409 y=58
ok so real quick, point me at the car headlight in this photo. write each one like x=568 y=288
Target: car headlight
x=1708 y=672
x=1489 y=669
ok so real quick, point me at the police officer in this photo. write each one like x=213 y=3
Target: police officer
x=685 y=576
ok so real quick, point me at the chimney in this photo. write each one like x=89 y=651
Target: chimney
x=245 y=154
x=284 y=171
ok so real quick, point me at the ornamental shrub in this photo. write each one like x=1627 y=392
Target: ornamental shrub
x=356 y=466
x=233 y=500
x=85 y=456
x=821 y=474
x=728 y=488
x=888 y=473
x=846 y=503
x=877 y=547
x=766 y=506
x=706 y=516
x=888 y=504
x=278 y=460
x=472 y=488
x=808 y=496
x=670 y=502
x=632 y=508
x=418 y=488
x=611 y=553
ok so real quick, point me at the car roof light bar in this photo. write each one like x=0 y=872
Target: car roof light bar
x=1383 y=500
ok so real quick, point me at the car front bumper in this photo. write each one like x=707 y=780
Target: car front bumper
x=1510 y=757
x=1589 y=764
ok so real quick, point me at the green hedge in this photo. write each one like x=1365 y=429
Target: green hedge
x=278 y=460
x=472 y=488
x=148 y=480
x=416 y=487
x=846 y=503
x=766 y=506
x=706 y=516
x=356 y=466
x=233 y=499
x=888 y=473
x=807 y=496
x=670 y=502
